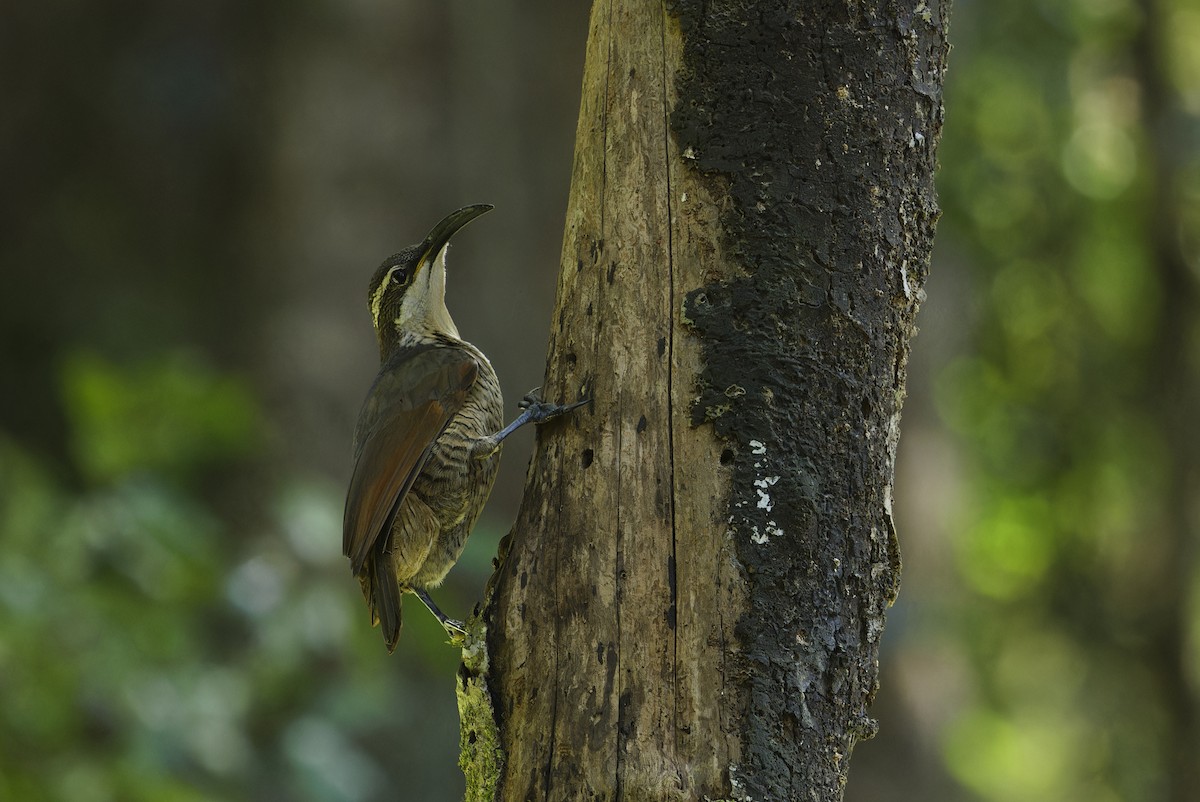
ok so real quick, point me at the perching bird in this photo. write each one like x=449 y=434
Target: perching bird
x=427 y=444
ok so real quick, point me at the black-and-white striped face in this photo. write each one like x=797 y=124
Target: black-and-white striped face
x=408 y=292
x=390 y=282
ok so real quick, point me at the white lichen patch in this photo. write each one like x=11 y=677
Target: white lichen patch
x=762 y=484
x=737 y=791
x=874 y=628
x=764 y=501
x=763 y=536
x=764 y=498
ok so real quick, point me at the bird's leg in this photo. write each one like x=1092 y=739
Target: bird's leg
x=533 y=410
x=455 y=629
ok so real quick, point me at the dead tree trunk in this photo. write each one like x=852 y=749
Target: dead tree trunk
x=691 y=601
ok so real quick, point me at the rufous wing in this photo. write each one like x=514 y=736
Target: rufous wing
x=414 y=397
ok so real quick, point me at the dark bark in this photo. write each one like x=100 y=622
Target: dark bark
x=691 y=602
x=829 y=148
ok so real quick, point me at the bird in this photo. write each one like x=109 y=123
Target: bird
x=428 y=438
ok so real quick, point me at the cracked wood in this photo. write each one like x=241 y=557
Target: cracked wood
x=691 y=601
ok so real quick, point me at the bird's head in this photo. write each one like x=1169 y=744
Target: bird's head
x=408 y=291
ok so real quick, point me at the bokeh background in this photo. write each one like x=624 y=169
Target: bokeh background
x=192 y=197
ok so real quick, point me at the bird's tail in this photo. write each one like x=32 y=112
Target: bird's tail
x=378 y=580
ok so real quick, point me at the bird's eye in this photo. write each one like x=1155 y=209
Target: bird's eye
x=400 y=276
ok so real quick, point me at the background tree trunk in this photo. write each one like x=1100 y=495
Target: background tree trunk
x=691 y=602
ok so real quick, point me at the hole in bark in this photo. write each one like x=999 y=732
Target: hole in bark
x=471 y=737
x=641 y=424
x=727 y=456
x=866 y=407
x=571 y=360
x=587 y=457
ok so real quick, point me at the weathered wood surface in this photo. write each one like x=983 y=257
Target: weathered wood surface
x=691 y=601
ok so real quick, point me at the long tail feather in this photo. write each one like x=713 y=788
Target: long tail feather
x=385 y=598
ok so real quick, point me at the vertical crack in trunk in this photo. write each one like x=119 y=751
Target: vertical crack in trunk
x=617 y=652
x=752 y=228
x=618 y=570
x=672 y=578
x=558 y=637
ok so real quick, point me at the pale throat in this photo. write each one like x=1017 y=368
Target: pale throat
x=423 y=309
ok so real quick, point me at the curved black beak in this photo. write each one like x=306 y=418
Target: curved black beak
x=436 y=239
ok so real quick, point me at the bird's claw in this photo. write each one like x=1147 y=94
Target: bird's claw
x=457 y=631
x=540 y=411
x=530 y=398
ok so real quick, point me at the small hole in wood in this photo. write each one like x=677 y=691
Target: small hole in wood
x=727 y=456
x=587 y=457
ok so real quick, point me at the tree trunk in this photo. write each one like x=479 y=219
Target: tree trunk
x=691 y=601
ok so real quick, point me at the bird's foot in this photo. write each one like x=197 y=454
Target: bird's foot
x=533 y=410
x=455 y=629
x=539 y=411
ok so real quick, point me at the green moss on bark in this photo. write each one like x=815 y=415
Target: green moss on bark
x=480 y=755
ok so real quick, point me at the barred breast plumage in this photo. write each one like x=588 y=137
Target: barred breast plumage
x=454 y=484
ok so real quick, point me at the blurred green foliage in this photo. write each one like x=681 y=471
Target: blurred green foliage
x=153 y=647
x=1070 y=138
x=195 y=195
x=173 y=416
x=175 y=620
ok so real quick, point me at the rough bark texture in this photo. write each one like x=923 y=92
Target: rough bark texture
x=691 y=601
